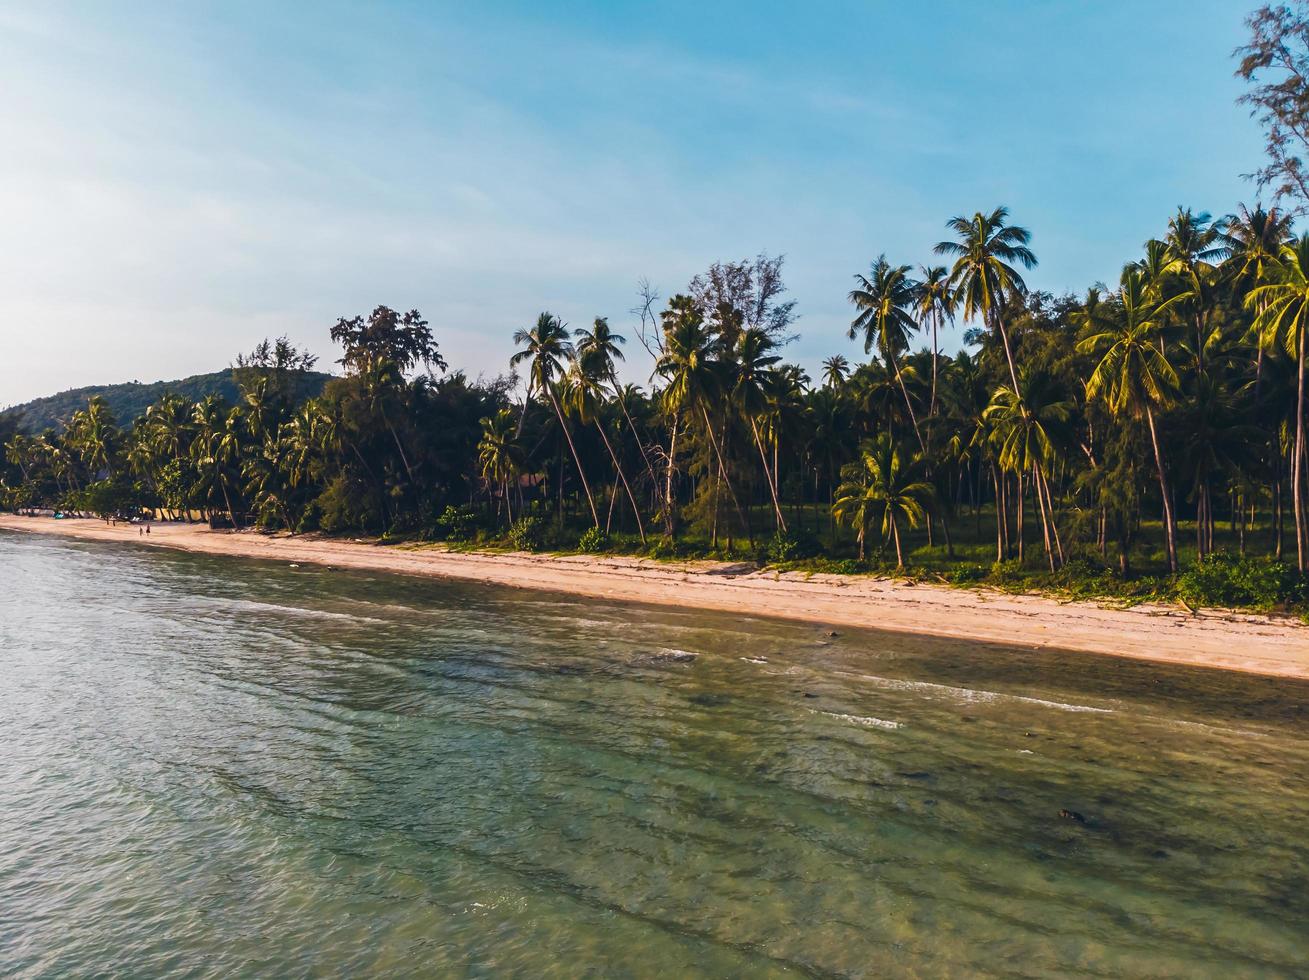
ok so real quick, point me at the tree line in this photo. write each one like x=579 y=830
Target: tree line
x=1095 y=424
x=1149 y=422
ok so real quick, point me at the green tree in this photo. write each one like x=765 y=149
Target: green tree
x=883 y=487
x=1134 y=376
x=545 y=349
x=984 y=277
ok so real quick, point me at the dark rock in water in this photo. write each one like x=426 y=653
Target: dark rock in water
x=1072 y=815
x=916 y=775
x=709 y=700
x=1029 y=734
x=810 y=695
x=1160 y=854
x=832 y=633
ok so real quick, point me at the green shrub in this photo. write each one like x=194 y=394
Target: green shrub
x=964 y=574
x=787 y=546
x=458 y=524
x=1228 y=580
x=593 y=540
x=528 y=534
x=664 y=548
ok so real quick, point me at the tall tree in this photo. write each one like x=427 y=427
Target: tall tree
x=1134 y=376
x=935 y=304
x=546 y=348
x=987 y=251
x=885 y=299
x=1283 y=306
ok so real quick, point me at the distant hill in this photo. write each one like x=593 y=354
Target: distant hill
x=129 y=400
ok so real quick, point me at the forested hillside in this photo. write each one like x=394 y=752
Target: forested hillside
x=130 y=399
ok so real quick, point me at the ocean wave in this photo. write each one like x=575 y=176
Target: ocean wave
x=973 y=694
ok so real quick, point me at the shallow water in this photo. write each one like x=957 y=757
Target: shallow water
x=217 y=767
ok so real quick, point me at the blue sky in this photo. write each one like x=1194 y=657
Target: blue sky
x=180 y=180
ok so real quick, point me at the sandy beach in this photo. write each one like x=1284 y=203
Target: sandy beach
x=1273 y=646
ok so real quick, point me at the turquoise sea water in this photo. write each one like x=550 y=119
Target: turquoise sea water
x=216 y=767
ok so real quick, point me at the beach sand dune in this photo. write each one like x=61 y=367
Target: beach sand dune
x=1276 y=646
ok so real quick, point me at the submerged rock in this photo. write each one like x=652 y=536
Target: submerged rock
x=709 y=700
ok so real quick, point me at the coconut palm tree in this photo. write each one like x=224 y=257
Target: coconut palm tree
x=693 y=379
x=1283 y=307
x=836 y=369
x=217 y=445
x=984 y=276
x=500 y=455
x=1028 y=434
x=884 y=300
x=546 y=348
x=883 y=487
x=599 y=349
x=935 y=304
x=751 y=392
x=583 y=395
x=1194 y=246
x=1133 y=376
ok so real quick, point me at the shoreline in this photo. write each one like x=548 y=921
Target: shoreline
x=1251 y=643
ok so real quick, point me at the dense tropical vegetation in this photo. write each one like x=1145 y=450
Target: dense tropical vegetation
x=1151 y=428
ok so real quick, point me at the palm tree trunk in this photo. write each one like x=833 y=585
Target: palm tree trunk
x=772 y=488
x=559 y=413
x=669 y=526
x=1008 y=353
x=1018 y=517
x=931 y=405
x=907 y=403
x=1170 y=526
x=722 y=467
x=895 y=536
x=640 y=525
x=1000 y=519
x=222 y=483
x=654 y=481
x=1037 y=488
x=1054 y=524
x=1297 y=461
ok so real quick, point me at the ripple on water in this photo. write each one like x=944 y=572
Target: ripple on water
x=213 y=767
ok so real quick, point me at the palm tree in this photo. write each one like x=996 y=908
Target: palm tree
x=546 y=347
x=1193 y=246
x=598 y=351
x=754 y=379
x=884 y=302
x=583 y=395
x=984 y=276
x=836 y=369
x=1134 y=376
x=1283 y=307
x=500 y=455
x=693 y=379
x=830 y=438
x=883 y=486
x=936 y=304
x=1027 y=433
x=217 y=445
